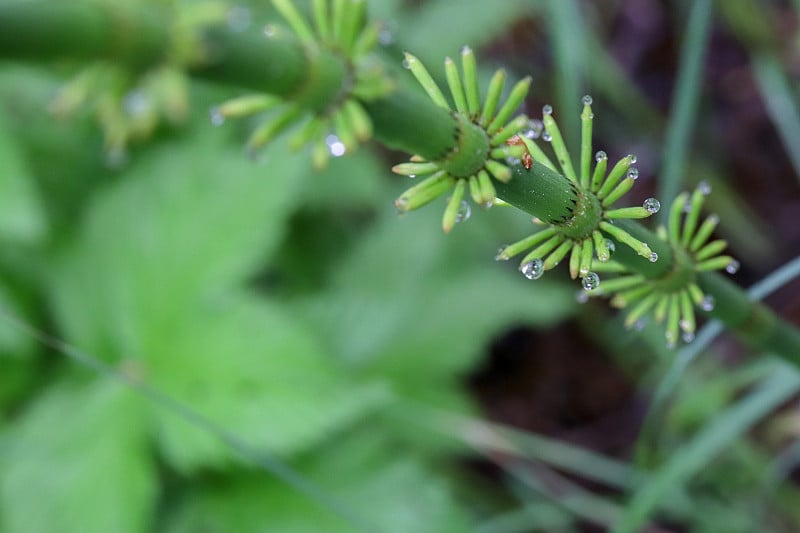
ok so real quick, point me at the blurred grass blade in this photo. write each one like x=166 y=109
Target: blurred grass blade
x=685 y=100
x=780 y=103
x=568 y=44
x=685 y=356
x=712 y=440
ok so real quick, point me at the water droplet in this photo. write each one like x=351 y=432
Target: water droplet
x=587 y=100
x=465 y=49
x=684 y=325
x=600 y=155
x=500 y=255
x=464 y=212
x=412 y=176
x=407 y=63
x=687 y=208
x=704 y=187
x=546 y=136
x=688 y=336
x=640 y=324
x=547 y=109
x=632 y=158
x=611 y=246
x=733 y=267
x=116 y=157
x=533 y=269
x=512 y=161
x=534 y=130
x=590 y=281
x=713 y=218
x=216 y=116
x=136 y=103
x=651 y=205
x=633 y=173
x=708 y=303
x=335 y=146
x=238 y=18
x=581 y=297
x=270 y=31
x=653 y=257
x=385 y=36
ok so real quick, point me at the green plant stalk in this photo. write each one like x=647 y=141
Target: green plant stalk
x=404 y=120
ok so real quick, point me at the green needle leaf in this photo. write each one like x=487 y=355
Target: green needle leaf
x=562 y=154
x=515 y=98
x=493 y=97
x=470 y=70
x=450 y=216
x=425 y=80
x=616 y=174
x=555 y=258
x=295 y=20
x=586 y=142
x=456 y=89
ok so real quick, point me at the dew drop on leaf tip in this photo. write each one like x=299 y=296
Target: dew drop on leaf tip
x=533 y=269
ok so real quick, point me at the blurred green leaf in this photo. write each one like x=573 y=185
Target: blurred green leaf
x=21 y=218
x=253 y=370
x=77 y=461
x=387 y=492
x=418 y=306
x=191 y=219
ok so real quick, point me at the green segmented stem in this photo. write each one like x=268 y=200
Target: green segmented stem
x=487 y=188
x=498 y=170
x=271 y=128
x=415 y=169
x=611 y=267
x=586 y=145
x=621 y=283
x=425 y=80
x=520 y=246
x=344 y=129
x=660 y=312
x=367 y=40
x=690 y=224
x=599 y=173
x=600 y=246
x=555 y=258
x=424 y=192
x=587 y=249
x=675 y=213
x=695 y=293
x=515 y=98
x=614 y=176
x=560 y=149
x=362 y=125
x=710 y=250
x=619 y=191
x=337 y=19
x=354 y=15
x=470 y=70
x=575 y=260
x=687 y=312
x=295 y=20
x=640 y=309
x=320 y=10
x=453 y=205
x=246 y=105
x=456 y=89
x=493 y=97
x=628 y=212
x=624 y=237
x=543 y=249
x=673 y=320
x=311 y=130
x=717 y=263
x=705 y=231
x=510 y=129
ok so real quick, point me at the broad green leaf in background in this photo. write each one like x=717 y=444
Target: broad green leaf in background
x=21 y=218
x=386 y=491
x=254 y=371
x=190 y=219
x=78 y=461
x=419 y=307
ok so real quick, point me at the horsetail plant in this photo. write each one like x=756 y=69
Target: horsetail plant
x=673 y=299
x=330 y=126
x=582 y=232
